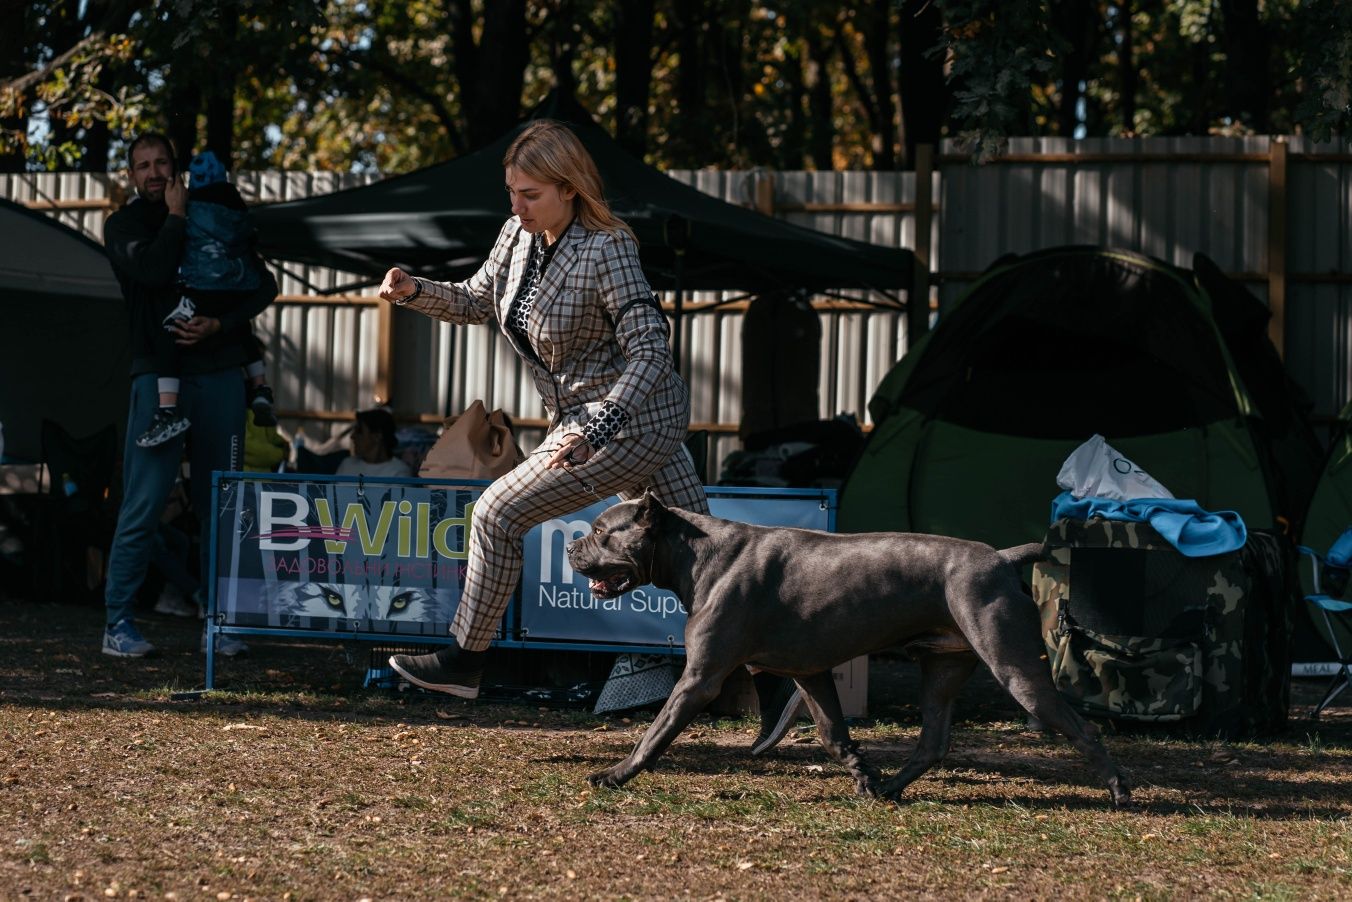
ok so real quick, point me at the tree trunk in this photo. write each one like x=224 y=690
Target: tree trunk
x=97 y=143
x=107 y=16
x=689 y=129
x=793 y=146
x=1126 y=67
x=1199 y=120
x=725 y=45
x=822 y=130
x=14 y=61
x=877 y=39
x=489 y=82
x=562 y=51
x=185 y=103
x=924 y=93
x=633 y=73
x=1077 y=23
x=221 y=100
x=63 y=29
x=1248 y=52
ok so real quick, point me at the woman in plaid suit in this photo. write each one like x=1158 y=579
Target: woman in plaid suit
x=563 y=282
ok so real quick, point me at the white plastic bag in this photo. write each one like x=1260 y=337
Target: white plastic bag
x=1097 y=469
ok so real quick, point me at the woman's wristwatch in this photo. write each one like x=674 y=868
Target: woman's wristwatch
x=417 y=290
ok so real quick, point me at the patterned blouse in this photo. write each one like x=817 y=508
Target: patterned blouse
x=611 y=418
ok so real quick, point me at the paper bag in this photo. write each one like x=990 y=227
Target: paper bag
x=474 y=445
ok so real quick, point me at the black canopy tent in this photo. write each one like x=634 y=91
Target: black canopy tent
x=63 y=351
x=441 y=222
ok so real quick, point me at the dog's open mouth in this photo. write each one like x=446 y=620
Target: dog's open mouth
x=611 y=584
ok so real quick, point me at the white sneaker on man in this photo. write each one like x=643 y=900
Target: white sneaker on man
x=174 y=603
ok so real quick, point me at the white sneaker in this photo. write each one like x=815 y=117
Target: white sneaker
x=173 y=603
x=225 y=645
x=185 y=311
x=123 y=640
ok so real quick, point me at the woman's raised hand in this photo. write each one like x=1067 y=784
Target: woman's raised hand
x=397 y=286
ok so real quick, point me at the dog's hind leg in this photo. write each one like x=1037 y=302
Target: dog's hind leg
x=941 y=677
x=1039 y=697
x=698 y=686
x=823 y=701
x=1006 y=634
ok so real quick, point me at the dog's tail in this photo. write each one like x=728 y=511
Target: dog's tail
x=1024 y=554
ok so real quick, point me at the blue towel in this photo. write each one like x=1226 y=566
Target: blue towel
x=1180 y=521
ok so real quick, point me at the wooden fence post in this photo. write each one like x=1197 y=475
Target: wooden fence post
x=1276 y=243
x=384 y=387
x=918 y=301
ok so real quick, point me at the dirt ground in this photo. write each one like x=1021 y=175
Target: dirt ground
x=294 y=782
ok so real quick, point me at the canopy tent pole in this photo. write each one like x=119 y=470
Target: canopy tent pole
x=677 y=302
x=676 y=231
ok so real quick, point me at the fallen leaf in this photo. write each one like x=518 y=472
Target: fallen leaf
x=743 y=865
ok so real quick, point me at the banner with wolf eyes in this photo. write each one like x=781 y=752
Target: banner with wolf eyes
x=338 y=554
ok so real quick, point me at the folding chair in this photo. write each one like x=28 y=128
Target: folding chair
x=1331 y=615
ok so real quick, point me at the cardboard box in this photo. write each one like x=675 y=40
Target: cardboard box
x=852 y=685
x=739 y=693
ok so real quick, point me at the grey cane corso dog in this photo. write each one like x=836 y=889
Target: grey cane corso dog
x=798 y=602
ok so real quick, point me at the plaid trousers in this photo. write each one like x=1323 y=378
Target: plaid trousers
x=531 y=494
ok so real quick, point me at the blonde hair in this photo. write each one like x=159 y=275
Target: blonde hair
x=548 y=151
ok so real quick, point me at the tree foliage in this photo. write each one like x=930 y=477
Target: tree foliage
x=393 y=85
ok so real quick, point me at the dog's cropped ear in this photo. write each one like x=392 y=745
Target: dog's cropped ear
x=649 y=507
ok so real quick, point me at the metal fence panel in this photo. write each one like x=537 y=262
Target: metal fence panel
x=1212 y=196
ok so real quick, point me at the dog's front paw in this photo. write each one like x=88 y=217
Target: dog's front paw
x=869 y=786
x=613 y=777
x=892 y=790
x=1120 y=791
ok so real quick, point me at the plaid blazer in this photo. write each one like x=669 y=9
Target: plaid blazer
x=596 y=330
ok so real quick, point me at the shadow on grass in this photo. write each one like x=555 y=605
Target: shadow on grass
x=50 y=658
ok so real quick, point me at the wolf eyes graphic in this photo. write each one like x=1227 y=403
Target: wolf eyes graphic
x=354 y=602
x=418 y=605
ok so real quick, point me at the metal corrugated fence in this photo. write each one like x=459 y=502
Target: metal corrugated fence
x=1276 y=217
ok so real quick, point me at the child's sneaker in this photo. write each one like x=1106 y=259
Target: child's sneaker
x=260 y=402
x=185 y=311
x=168 y=422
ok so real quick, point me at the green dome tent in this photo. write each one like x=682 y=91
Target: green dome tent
x=1172 y=366
x=1331 y=506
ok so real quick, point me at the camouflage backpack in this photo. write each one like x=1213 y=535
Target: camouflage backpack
x=1138 y=633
